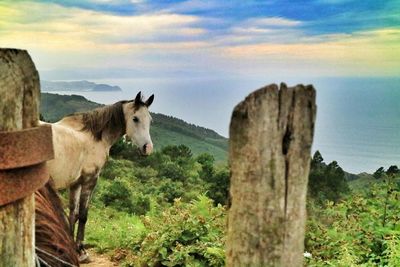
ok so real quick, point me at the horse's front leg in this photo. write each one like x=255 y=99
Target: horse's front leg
x=86 y=194
x=74 y=196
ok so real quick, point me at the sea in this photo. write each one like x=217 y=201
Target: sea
x=358 y=118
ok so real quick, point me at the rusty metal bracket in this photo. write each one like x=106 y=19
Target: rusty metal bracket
x=22 y=161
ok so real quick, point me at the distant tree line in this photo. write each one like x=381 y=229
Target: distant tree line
x=326 y=181
x=391 y=171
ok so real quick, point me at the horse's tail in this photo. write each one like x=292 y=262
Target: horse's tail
x=54 y=244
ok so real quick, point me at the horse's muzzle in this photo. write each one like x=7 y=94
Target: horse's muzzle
x=146 y=149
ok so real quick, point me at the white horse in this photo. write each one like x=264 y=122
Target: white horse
x=82 y=143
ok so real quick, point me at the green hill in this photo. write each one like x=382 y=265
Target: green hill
x=363 y=182
x=165 y=130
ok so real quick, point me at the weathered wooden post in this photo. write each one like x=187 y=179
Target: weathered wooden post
x=271 y=134
x=19 y=109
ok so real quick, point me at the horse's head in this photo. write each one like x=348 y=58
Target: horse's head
x=138 y=119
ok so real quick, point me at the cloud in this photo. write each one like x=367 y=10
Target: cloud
x=68 y=25
x=74 y=40
x=361 y=53
x=68 y=38
x=263 y=30
x=274 y=22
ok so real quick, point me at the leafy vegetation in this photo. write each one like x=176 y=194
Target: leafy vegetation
x=168 y=200
x=357 y=227
x=163 y=210
x=360 y=230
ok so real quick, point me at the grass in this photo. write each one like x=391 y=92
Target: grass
x=110 y=229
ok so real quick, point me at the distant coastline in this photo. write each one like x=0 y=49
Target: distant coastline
x=77 y=86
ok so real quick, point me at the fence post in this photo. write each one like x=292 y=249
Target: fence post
x=271 y=134
x=19 y=103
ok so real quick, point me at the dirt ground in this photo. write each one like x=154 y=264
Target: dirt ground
x=98 y=260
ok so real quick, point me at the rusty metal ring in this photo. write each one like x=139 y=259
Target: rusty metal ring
x=26 y=147
x=22 y=162
x=19 y=183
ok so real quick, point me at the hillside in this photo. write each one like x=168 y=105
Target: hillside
x=363 y=182
x=165 y=130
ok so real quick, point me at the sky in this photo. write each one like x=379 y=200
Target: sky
x=166 y=39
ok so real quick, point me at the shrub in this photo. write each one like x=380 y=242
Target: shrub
x=218 y=186
x=184 y=235
x=118 y=194
x=141 y=204
x=170 y=190
x=118 y=168
x=207 y=166
x=173 y=171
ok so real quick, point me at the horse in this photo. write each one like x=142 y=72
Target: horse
x=54 y=244
x=82 y=142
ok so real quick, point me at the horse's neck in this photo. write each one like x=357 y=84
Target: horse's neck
x=110 y=139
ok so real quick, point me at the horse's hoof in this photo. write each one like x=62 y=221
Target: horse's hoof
x=84 y=257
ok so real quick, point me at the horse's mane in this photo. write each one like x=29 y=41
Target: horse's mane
x=108 y=119
x=54 y=243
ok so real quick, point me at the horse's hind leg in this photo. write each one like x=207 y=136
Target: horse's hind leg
x=74 y=196
x=86 y=194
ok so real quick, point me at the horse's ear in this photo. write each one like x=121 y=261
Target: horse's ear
x=138 y=99
x=149 y=101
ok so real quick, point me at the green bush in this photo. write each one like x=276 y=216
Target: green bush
x=173 y=171
x=184 y=235
x=118 y=168
x=141 y=204
x=207 y=166
x=118 y=194
x=218 y=186
x=170 y=190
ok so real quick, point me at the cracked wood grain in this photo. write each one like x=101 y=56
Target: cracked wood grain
x=271 y=134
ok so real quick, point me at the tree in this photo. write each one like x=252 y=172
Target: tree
x=393 y=171
x=326 y=182
x=379 y=173
x=218 y=188
x=207 y=166
x=317 y=160
x=336 y=181
x=176 y=152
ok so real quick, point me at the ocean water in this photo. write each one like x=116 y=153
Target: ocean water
x=358 y=119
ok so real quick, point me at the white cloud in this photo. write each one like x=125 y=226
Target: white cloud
x=362 y=53
x=90 y=26
x=274 y=22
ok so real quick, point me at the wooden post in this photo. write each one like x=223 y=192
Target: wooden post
x=271 y=134
x=19 y=103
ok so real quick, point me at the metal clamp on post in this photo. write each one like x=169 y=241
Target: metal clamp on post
x=23 y=156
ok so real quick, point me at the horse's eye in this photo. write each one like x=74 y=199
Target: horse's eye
x=135 y=119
